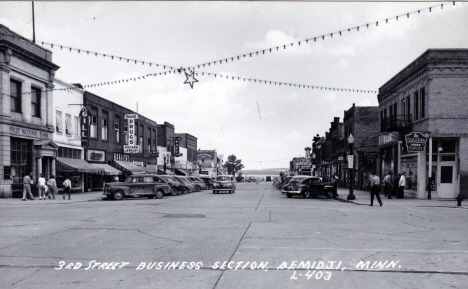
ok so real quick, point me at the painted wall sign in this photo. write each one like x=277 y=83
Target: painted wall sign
x=96 y=155
x=132 y=146
x=84 y=123
x=416 y=142
x=131 y=116
x=121 y=157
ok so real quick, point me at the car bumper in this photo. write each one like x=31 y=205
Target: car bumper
x=223 y=189
x=292 y=192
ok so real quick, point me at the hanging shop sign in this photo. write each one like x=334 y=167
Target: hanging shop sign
x=84 y=122
x=371 y=155
x=350 y=161
x=132 y=147
x=416 y=142
x=121 y=157
x=176 y=146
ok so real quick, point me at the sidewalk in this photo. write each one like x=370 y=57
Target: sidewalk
x=363 y=198
x=75 y=198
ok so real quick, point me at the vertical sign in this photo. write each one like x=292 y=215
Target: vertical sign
x=132 y=147
x=350 y=161
x=176 y=146
x=84 y=121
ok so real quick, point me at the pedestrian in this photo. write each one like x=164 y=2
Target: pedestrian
x=41 y=186
x=375 y=189
x=401 y=186
x=335 y=186
x=27 y=182
x=388 y=183
x=52 y=184
x=67 y=188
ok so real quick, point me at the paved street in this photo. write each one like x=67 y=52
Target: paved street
x=266 y=240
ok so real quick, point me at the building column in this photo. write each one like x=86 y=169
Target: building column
x=38 y=167
x=421 y=175
x=4 y=90
x=26 y=101
x=398 y=160
x=53 y=167
x=48 y=115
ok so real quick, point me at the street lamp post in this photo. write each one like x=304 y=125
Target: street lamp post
x=351 y=195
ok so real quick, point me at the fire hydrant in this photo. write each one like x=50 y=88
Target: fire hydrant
x=459 y=200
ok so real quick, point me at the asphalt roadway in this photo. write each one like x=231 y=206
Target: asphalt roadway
x=255 y=238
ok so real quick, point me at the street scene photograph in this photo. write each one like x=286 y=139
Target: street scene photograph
x=233 y=144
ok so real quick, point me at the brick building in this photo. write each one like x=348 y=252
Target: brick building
x=428 y=96
x=363 y=123
x=26 y=116
x=337 y=148
x=188 y=144
x=108 y=133
x=165 y=143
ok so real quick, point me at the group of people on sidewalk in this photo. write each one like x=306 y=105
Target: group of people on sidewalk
x=393 y=186
x=45 y=189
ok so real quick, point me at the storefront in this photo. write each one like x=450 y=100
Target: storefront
x=75 y=170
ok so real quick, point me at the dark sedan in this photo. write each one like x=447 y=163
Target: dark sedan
x=307 y=186
x=151 y=186
x=177 y=188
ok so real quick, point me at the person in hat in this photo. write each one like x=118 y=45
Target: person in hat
x=375 y=189
x=388 y=183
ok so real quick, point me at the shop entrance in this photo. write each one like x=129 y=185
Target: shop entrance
x=446 y=180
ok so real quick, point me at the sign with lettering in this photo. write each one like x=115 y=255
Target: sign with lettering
x=84 y=124
x=128 y=149
x=389 y=139
x=121 y=157
x=371 y=155
x=28 y=132
x=350 y=161
x=416 y=142
x=176 y=146
x=131 y=116
x=138 y=163
x=96 y=156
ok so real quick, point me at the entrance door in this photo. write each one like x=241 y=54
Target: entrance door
x=446 y=181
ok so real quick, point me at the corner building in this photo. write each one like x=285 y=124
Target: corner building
x=26 y=112
x=429 y=96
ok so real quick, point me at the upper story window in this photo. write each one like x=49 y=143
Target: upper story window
x=58 y=122
x=104 y=125
x=35 y=101
x=68 y=124
x=76 y=127
x=117 y=129
x=15 y=96
x=93 y=122
x=149 y=139
x=125 y=134
x=422 y=103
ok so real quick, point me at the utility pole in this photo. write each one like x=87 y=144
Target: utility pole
x=34 y=24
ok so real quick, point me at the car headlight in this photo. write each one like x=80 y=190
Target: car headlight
x=215 y=185
x=229 y=185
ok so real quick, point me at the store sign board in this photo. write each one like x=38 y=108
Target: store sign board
x=371 y=155
x=388 y=139
x=350 y=161
x=84 y=124
x=176 y=146
x=96 y=155
x=121 y=157
x=28 y=132
x=416 y=142
x=128 y=149
x=131 y=116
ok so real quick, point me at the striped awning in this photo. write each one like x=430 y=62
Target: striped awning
x=108 y=170
x=77 y=165
x=130 y=167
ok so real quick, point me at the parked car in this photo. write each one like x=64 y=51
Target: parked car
x=284 y=183
x=307 y=186
x=188 y=185
x=177 y=188
x=268 y=178
x=208 y=181
x=224 y=184
x=201 y=184
x=151 y=186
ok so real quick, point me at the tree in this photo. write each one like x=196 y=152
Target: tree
x=233 y=165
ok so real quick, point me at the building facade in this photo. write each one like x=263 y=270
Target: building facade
x=188 y=147
x=26 y=112
x=109 y=132
x=428 y=97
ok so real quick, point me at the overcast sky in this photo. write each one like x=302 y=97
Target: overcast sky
x=262 y=124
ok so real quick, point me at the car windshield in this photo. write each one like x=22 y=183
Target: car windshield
x=223 y=178
x=129 y=180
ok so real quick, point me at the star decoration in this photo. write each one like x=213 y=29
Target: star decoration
x=190 y=78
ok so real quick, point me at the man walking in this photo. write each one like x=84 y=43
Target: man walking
x=388 y=185
x=375 y=189
x=401 y=186
x=41 y=186
x=27 y=181
x=52 y=187
x=67 y=188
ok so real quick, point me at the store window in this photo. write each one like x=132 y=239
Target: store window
x=15 y=96
x=117 y=129
x=125 y=134
x=409 y=165
x=422 y=102
x=35 y=101
x=69 y=153
x=58 y=122
x=68 y=124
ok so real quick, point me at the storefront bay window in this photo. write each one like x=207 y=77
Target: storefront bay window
x=21 y=159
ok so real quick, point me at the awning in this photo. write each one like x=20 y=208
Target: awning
x=77 y=165
x=130 y=167
x=181 y=172
x=108 y=170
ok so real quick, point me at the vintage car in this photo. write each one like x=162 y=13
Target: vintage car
x=177 y=188
x=189 y=187
x=224 y=184
x=307 y=186
x=151 y=186
x=208 y=181
x=199 y=183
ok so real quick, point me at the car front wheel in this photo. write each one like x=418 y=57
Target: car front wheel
x=305 y=194
x=158 y=194
x=118 y=195
x=174 y=191
x=329 y=194
x=289 y=195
